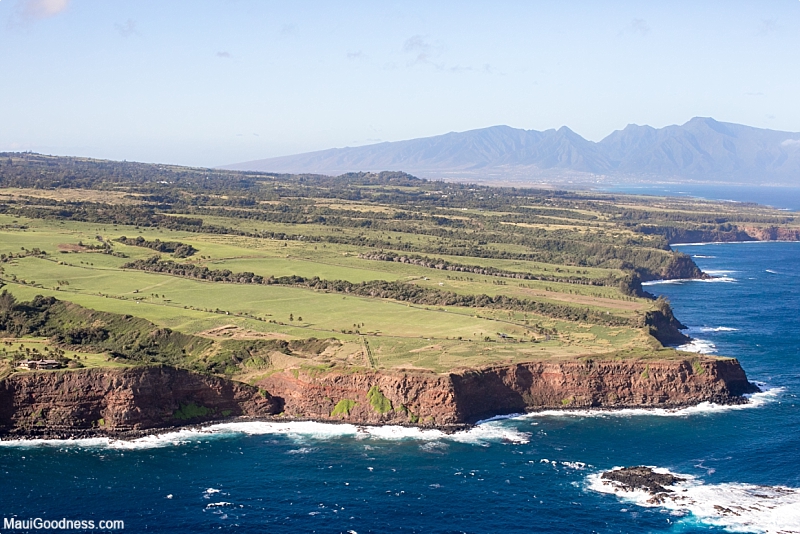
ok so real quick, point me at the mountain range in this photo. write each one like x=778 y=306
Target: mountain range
x=702 y=149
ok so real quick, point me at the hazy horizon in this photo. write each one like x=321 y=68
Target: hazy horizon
x=216 y=83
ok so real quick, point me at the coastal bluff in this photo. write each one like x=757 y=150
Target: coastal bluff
x=99 y=401
x=471 y=395
x=88 y=402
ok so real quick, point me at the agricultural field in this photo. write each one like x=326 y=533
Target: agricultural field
x=263 y=272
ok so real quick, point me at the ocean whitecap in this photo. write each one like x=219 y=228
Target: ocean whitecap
x=738 y=507
x=767 y=396
x=300 y=431
x=700 y=346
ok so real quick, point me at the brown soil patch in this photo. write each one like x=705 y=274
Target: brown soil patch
x=427 y=348
x=586 y=300
x=231 y=331
x=71 y=247
x=73 y=195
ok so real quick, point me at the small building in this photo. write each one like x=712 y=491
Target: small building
x=39 y=364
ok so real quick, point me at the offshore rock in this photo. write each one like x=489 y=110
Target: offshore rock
x=642 y=478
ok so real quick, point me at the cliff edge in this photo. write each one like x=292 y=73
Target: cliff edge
x=118 y=401
x=125 y=401
x=468 y=396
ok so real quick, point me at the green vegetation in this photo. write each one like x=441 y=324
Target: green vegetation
x=307 y=273
x=343 y=407
x=378 y=401
x=178 y=249
x=191 y=411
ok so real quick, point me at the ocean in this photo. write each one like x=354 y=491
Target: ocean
x=531 y=473
x=781 y=197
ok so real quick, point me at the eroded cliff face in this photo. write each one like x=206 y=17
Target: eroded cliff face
x=115 y=402
x=472 y=395
x=97 y=401
x=735 y=233
x=599 y=384
x=772 y=233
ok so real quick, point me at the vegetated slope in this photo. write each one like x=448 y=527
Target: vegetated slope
x=134 y=340
x=306 y=285
x=541 y=263
x=701 y=149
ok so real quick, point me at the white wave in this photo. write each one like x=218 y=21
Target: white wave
x=218 y=504
x=574 y=465
x=717 y=273
x=662 y=282
x=772 y=272
x=210 y=491
x=718 y=329
x=498 y=418
x=768 y=395
x=434 y=446
x=700 y=346
x=718 y=243
x=302 y=450
x=716 y=279
x=733 y=506
x=297 y=430
x=703 y=257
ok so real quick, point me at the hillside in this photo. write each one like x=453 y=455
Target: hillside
x=702 y=149
x=302 y=284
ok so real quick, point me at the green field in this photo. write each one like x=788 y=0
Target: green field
x=546 y=259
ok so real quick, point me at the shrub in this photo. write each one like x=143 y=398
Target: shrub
x=343 y=407
x=378 y=401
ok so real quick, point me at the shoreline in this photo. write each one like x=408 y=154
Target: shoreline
x=733 y=242
x=448 y=429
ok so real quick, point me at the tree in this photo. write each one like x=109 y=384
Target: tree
x=7 y=302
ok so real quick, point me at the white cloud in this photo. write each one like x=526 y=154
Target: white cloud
x=417 y=46
x=127 y=29
x=224 y=54
x=767 y=26
x=636 y=26
x=791 y=143
x=41 y=9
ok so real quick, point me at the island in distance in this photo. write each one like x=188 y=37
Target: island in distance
x=702 y=150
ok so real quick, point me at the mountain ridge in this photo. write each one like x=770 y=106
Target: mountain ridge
x=701 y=149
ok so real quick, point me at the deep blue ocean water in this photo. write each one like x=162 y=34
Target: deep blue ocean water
x=527 y=474
x=778 y=197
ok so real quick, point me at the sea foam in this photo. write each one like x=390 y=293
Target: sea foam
x=700 y=346
x=718 y=329
x=715 y=280
x=298 y=431
x=768 y=395
x=733 y=506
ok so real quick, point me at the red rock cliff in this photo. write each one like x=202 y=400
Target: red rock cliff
x=119 y=400
x=115 y=401
x=468 y=396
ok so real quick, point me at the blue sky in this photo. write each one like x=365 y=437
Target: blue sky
x=214 y=82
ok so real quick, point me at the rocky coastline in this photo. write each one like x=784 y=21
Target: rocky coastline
x=734 y=233
x=125 y=403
